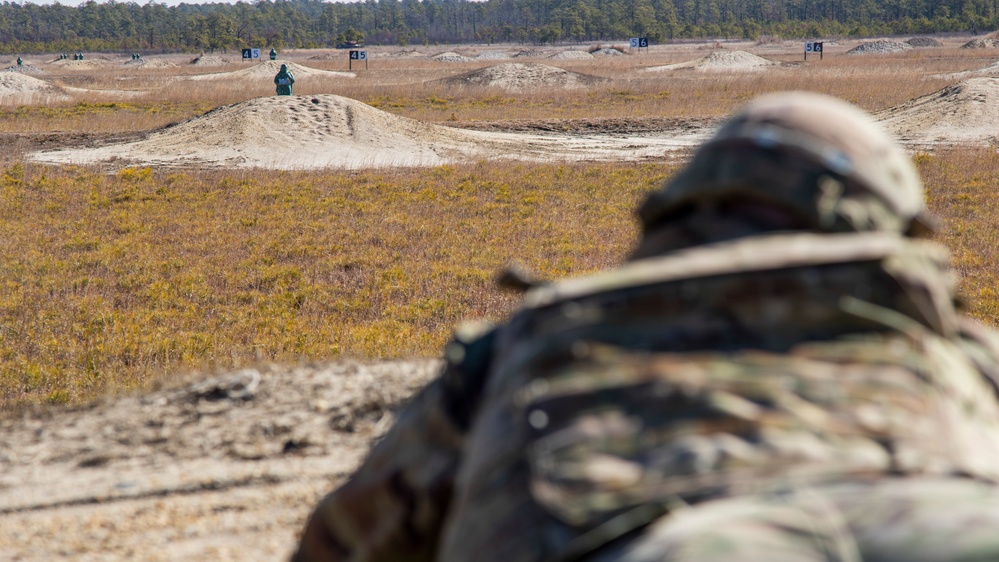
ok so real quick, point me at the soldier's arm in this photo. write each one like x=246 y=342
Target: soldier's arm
x=393 y=507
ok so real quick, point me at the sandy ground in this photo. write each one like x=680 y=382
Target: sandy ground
x=525 y=77
x=328 y=131
x=266 y=71
x=21 y=89
x=225 y=468
x=964 y=113
x=721 y=61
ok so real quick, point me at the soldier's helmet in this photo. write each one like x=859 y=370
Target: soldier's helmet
x=284 y=68
x=819 y=158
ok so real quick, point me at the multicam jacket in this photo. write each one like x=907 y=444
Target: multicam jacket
x=722 y=370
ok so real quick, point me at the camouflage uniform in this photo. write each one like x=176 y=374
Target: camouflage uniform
x=791 y=384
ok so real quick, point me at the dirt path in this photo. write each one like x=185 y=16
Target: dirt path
x=220 y=469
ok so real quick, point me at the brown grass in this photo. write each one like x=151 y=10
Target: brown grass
x=963 y=194
x=110 y=280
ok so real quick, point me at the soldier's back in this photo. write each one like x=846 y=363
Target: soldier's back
x=742 y=371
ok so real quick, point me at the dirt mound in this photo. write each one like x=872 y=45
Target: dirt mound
x=150 y=63
x=223 y=468
x=23 y=69
x=608 y=52
x=530 y=54
x=967 y=112
x=991 y=70
x=210 y=60
x=721 y=61
x=492 y=55
x=571 y=55
x=19 y=88
x=924 y=42
x=451 y=56
x=86 y=64
x=981 y=44
x=404 y=53
x=328 y=131
x=879 y=46
x=266 y=71
x=524 y=77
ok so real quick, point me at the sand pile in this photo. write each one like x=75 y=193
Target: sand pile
x=608 y=52
x=451 y=56
x=19 y=88
x=23 y=69
x=328 y=131
x=571 y=55
x=210 y=60
x=405 y=53
x=86 y=64
x=981 y=44
x=991 y=70
x=523 y=77
x=492 y=55
x=967 y=112
x=721 y=61
x=924 y=42
x=530 y=54
x=879 y=46
x=150 y=63
x=267 y=70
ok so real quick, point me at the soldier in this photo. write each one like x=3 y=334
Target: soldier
x=284 y=80
x=778 y=373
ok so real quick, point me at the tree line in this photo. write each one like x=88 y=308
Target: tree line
x=152 y=27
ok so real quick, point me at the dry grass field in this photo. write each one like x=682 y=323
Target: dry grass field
x=132 y=268
x=116 y=275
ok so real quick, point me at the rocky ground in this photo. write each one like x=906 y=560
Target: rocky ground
x=224 y=468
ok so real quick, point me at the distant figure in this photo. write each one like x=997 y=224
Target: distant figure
x=20 y=62
x=273 y=54
x=284 y=81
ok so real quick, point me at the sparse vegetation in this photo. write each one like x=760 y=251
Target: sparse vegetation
x=112 y=278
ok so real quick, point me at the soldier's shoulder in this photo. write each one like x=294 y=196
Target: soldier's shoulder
x=759 y=253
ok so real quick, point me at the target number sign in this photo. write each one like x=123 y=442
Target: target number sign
x=358 y=55
x=813 y=47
